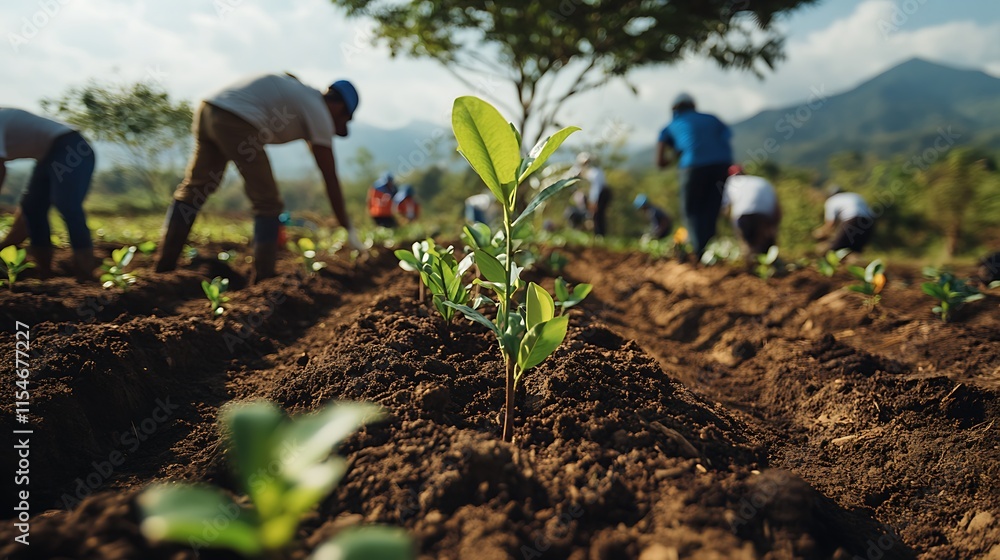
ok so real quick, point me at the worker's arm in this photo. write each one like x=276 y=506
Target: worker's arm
x=824 y=231
x=328 y=167
x=662 y=157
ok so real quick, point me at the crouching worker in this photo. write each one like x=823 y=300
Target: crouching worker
x=380 y=197
x=848 y=219
x=753 y=207
x=660 y=223
x=61 y=178
x=234 y=125
x=406 y=205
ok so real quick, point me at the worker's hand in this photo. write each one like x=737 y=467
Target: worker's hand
x=354 y=241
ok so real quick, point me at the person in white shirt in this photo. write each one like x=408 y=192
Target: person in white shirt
x=598 y=195
x=848 y=218
x=61 y=178
x=754 y=210
x=234 y=125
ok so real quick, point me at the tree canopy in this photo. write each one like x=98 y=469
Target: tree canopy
x=551 y=50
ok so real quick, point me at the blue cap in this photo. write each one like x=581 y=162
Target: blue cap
x=640 y=201
x=347 y=93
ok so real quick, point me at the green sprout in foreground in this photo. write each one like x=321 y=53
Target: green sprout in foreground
x=213 y=291
x=15 y=261
x=872 y=281
x=528 y=333
x=114 y=275
x=305 y=248
x=828 y=264
x=286 y=468
x=440 y=272
x=766 y=267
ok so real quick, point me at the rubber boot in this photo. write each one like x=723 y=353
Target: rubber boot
x=84 y=264
x=177 y=227
x=265 y=246
x=42 y=257
x=265 y=258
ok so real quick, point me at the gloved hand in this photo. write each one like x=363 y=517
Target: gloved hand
x=354 y=241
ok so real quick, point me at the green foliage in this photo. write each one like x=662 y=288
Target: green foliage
x=214 y=291
x=286 y=468
x=721 y=249
x=566 y=298
x=766 y=267
x=557 y=261
x=828 y=264
x=305 y=249
x=950 y=292
x=147 y=247
x=527 y=334
x=14 y=261
x=140 y=117
x=441 y=272
x=950 y=186
x=872 y=280
x=114 y=275
x=579 y=46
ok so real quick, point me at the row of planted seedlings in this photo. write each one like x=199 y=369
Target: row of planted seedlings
x=287 y=467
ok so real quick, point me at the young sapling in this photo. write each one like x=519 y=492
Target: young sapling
x=15 y=261
x=114 y=269
x=872 y=281
x=214 y=291
x=950 y=292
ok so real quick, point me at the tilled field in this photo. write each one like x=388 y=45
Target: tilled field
x=691 y=413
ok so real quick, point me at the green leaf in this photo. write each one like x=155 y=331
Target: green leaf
x=546 y=193
x=10 y=255
x=477 y=235
x=772 y=255
x=873 y=268
x=311 y=486
x=313 y=437
x=973 y=297
x=368 y=543
x=147 y=247
x=250 y=429
x=486 y=140
x=306 y=244
x=544 y=149
x=856 y=271
x=207 y=288
x=490 y=267
x=580 y=293
x=541 y=341
x=562 y=291
x=538 y=306
x=474 y=316
x=180 y=513
x=933 y=290
x=861 y=289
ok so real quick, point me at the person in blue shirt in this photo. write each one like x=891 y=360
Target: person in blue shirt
x=701 y=144
x=660 y=223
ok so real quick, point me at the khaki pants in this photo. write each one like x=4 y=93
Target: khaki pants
x=221 y=137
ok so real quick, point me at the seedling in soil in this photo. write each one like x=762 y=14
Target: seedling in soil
x=557 y=261
x=286 y=468
x=766 y=267
x=305 y=248
x=213 y=291
x=950 y=292
x=440 y=272
x=15 y=261
x=828 y=264
x=872 y=279
x=682 y=247
x=566 y=298
x=147 y=247
x=114 y=269
x=721 y=250
x=530 y=333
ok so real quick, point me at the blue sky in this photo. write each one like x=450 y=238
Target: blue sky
x=195 y=46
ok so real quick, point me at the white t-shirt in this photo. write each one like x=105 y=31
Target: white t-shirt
x=281 y=107
x=25 y=135
x=846 y=205
x=746 y=194
x=594 y=176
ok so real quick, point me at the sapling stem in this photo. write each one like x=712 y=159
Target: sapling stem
x=508 y=417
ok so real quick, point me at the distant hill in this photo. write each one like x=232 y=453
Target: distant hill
x=904 y=110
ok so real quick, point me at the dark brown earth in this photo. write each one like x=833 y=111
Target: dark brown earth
x=691 y=413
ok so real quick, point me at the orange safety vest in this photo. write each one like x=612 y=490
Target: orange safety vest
x=379 y=203
x=408 y=208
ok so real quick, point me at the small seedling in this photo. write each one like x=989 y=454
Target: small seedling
x=528 y=333
x=440 y=272
x=15 y=261
x=565 y=298
x=557 y=261
x=766 y=267
x=286 y=468
x=147 y=247
x=828 y=264
x=721 y=250
x=213 y=291
x=305 y=248
x=950 y=292
x=114 y=269
x=872 y=279
x=682 y=246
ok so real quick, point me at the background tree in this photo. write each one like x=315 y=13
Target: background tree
x=551 y=50
x=140 y=117
x=952 y=186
